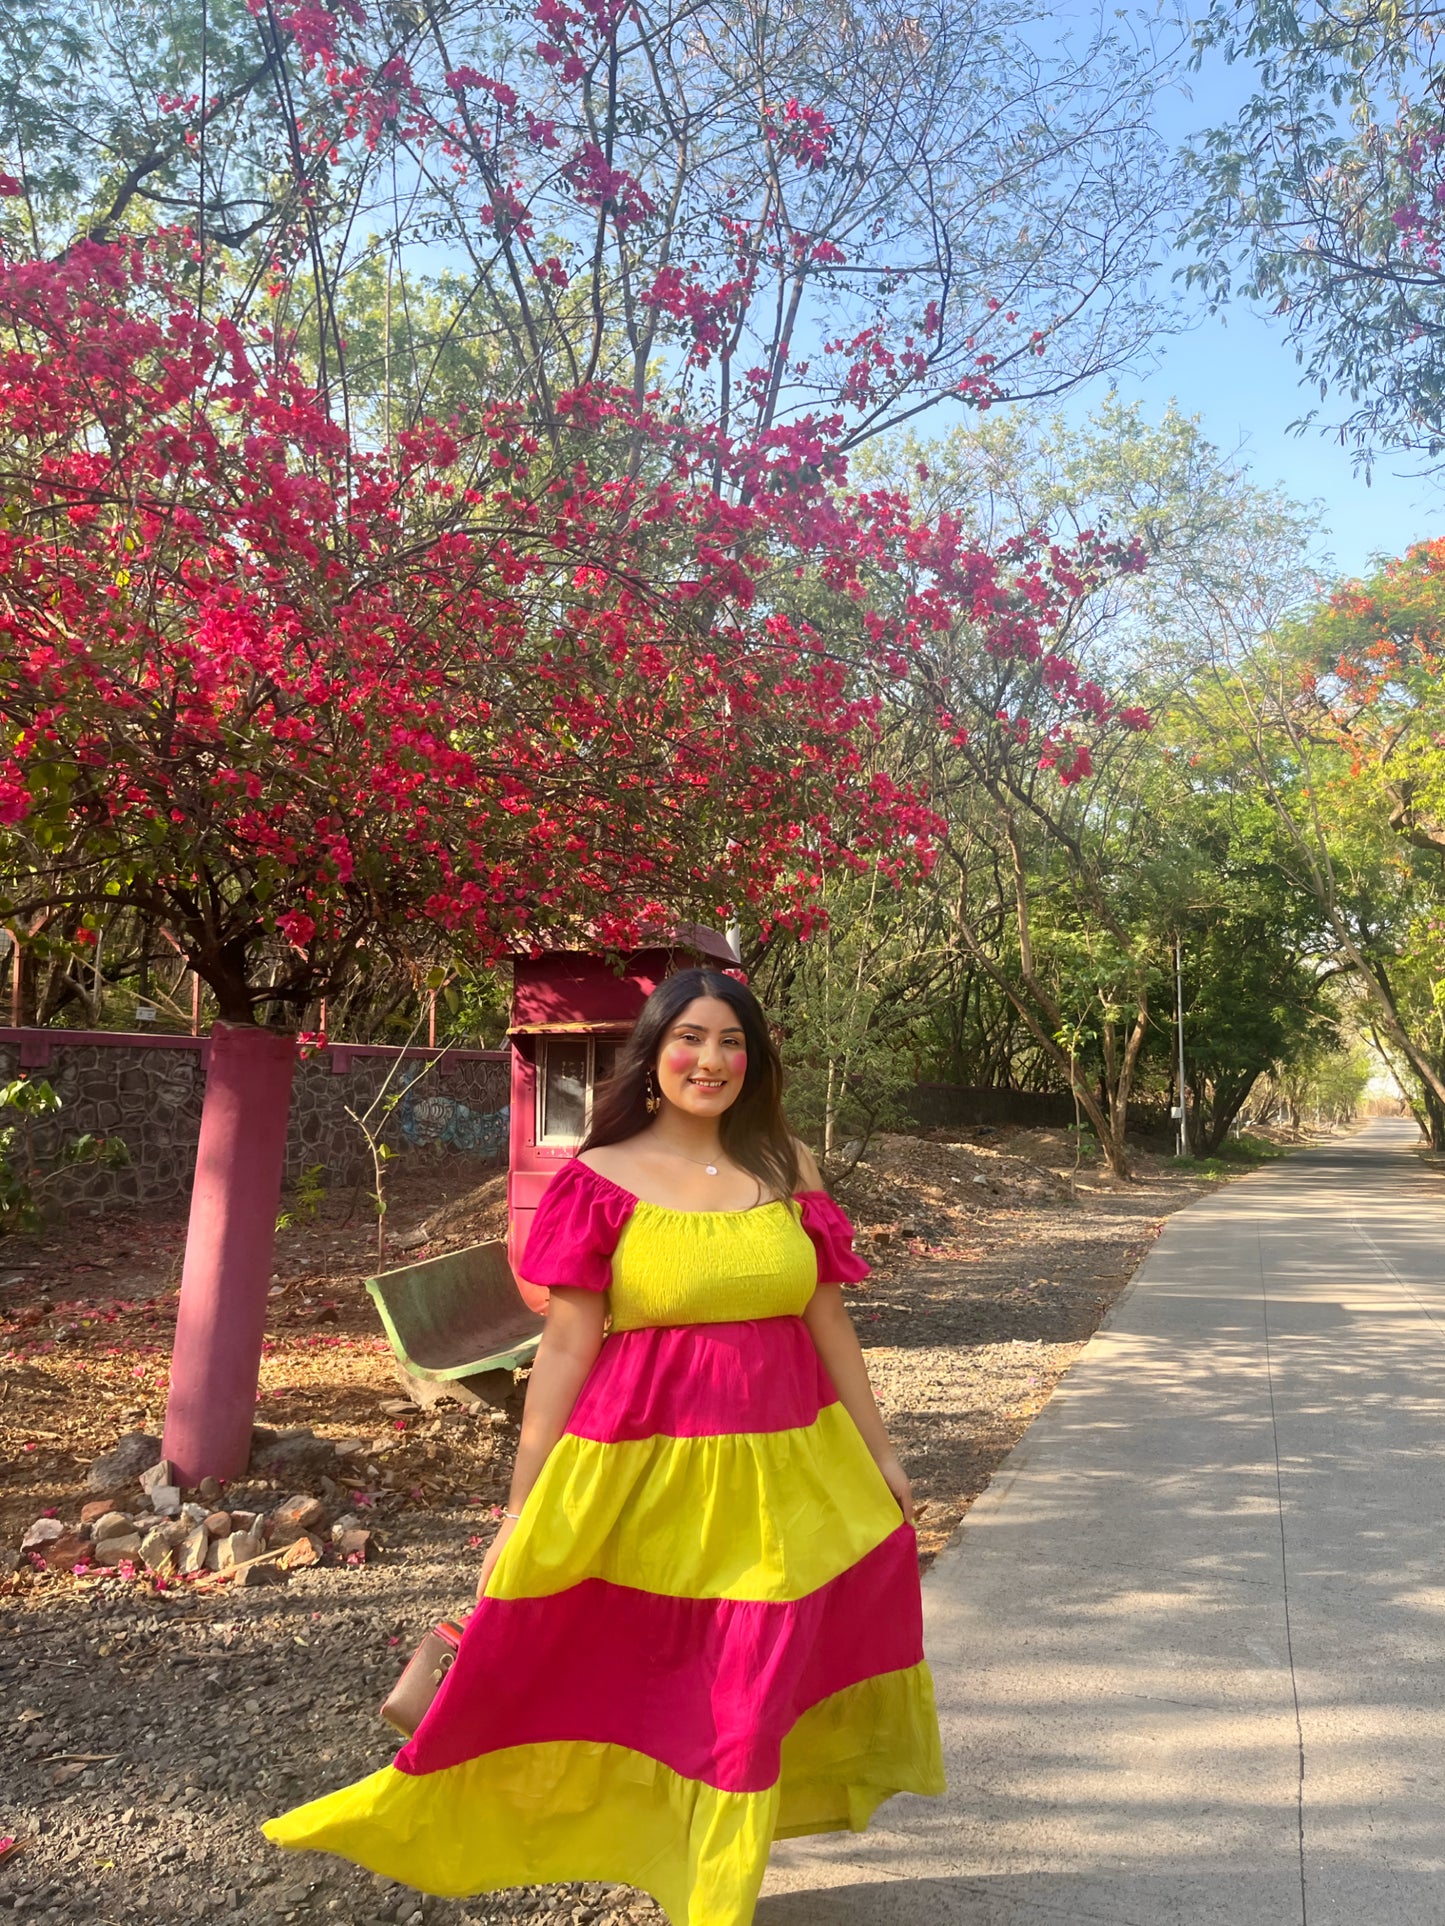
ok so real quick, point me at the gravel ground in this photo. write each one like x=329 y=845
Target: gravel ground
x=205 y=1717
x=145 y=1733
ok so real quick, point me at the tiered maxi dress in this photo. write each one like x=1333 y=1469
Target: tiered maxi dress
x=705 y=1632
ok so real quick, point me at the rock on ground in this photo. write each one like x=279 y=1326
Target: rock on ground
x=135 y=1453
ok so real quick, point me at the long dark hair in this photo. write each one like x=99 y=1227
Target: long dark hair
x=754 y=1130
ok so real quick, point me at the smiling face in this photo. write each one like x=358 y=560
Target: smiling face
x=703 y=1058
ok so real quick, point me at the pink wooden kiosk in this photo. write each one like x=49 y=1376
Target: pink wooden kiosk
x=570 y=1010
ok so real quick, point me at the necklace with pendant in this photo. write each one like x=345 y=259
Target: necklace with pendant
x=711 y=1169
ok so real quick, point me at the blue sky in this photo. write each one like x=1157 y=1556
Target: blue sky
x=1237 y=372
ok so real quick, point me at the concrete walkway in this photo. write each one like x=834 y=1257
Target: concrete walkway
x=1190 y=1645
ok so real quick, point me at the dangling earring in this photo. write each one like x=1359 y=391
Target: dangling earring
x=654 y=1101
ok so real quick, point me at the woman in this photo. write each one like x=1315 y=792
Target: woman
x=698 y=1628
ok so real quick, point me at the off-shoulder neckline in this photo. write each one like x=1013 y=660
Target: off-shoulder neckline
x=674 y=1210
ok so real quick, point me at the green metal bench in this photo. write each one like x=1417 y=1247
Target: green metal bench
x=457 y=1325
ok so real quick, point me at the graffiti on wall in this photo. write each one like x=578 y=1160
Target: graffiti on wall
x=429 y=1116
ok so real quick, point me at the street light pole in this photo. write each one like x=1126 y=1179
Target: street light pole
x=1179 y=1028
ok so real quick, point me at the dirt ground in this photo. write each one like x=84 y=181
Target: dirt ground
x=145 y=1731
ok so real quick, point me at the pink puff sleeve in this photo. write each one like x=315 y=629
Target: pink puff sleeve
x=827 y=1224
x=575 y=1231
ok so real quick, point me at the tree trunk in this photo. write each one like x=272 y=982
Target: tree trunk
x=224 y=965
x=1120 y=1084
x=230 y=1244
x=1047 y=1041
x=1212 y=1121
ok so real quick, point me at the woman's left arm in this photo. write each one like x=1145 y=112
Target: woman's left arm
x=836 y=1342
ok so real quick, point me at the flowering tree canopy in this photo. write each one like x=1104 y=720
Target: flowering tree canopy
x=843 y=210
x=287 y=697
x=258 y=682
x=1382 y=684
x=1335 y=717
x=300 y=668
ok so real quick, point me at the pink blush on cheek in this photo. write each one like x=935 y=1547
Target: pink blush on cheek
x=737 y=1061
x=678 y=1062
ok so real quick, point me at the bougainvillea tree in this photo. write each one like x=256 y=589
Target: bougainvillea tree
x=299 y=675
x=860 y=207
x=287 y=698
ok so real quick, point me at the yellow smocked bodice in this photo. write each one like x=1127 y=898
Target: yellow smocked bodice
x=710 y=1266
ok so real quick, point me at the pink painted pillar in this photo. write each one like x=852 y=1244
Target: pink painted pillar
x=230 y=1244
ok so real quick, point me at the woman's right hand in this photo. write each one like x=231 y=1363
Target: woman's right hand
x=494 y=1552
x=896 y=1479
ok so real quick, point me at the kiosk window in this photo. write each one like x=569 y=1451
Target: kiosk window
x=568 y=1070
x=562 y=1090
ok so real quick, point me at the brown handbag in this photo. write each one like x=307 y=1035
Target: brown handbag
x=409 y=1700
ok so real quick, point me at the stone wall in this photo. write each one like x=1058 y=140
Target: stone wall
x=147 y=1091
x=959 y=1106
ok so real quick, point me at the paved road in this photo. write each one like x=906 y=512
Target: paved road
x=1190 y=1645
